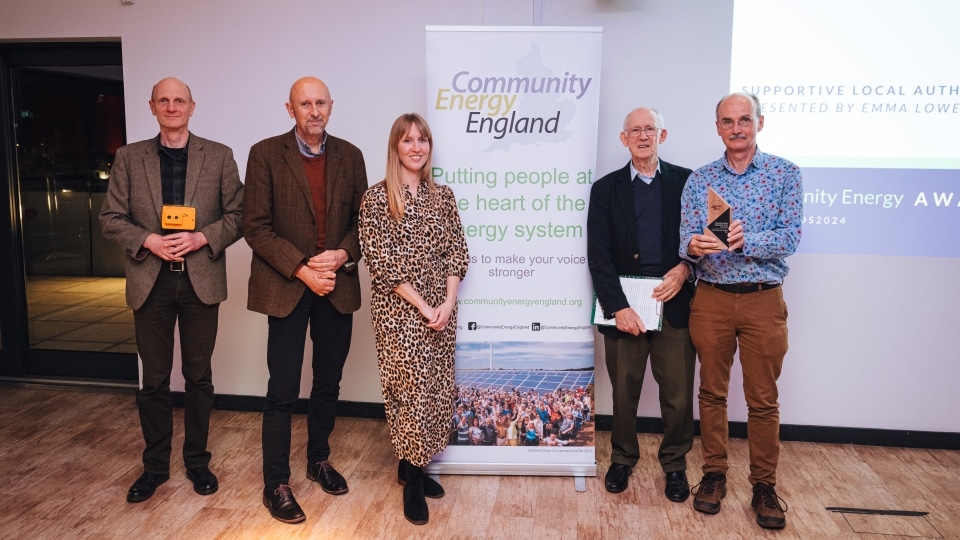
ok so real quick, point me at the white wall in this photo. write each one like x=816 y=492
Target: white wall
x=854 y=361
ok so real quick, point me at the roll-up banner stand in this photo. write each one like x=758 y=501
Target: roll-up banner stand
x=513 y=112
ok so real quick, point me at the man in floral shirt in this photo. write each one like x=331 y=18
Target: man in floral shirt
x=739 y=302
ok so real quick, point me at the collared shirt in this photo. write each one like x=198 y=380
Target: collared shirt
x=767 y=198
x=634 y=173
x=173 y=172
x=305 y=148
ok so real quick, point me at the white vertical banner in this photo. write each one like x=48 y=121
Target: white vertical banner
x=513 y=112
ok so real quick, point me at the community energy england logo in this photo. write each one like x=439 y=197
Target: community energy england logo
x=492 y=103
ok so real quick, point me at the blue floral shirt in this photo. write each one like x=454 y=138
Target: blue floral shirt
x=767 y=198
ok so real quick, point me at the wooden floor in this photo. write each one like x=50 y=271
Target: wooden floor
x=68 y=458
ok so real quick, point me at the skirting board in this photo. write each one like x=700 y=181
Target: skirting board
x=788 y=432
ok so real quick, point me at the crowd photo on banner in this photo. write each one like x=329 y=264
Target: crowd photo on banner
x=511 y=417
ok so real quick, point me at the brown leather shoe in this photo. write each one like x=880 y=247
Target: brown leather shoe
x=283 y=507
x=707 y=494
x=766 y=504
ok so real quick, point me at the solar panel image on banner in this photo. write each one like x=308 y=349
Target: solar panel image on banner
x=541 y=381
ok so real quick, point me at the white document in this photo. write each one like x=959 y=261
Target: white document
x=639 y=291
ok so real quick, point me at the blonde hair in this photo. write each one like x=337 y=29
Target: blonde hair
x=392 y=182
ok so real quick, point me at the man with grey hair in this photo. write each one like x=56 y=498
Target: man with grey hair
x=301 y=212
x=739 y=302
x=633 y=225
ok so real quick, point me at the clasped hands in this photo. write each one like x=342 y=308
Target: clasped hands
x=437 y=317
x=320 y=272
x=175 y=246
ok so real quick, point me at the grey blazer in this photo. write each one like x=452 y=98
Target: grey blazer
x=131 y=212
x=280 y=222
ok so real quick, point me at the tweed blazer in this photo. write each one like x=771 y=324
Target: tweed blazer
x=131 y=212
x=612 y=248
x=280 y=223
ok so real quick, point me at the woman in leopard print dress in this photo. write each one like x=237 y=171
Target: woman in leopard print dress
x=413 y=244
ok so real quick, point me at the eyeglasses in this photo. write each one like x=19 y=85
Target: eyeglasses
x=634 y=132
x=743 y=121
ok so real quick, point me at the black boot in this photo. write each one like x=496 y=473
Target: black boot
x=414 y=502
x=431 y=488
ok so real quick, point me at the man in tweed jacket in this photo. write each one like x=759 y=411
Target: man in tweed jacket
x=303 y=191
x=174 y=274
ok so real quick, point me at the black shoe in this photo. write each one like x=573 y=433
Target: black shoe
x=330 y=480
x=414 y=504
x=431 y=488
x=204 y=482
x=283 y=507
x=617 y=477
x=677 y=489
x=144 y=487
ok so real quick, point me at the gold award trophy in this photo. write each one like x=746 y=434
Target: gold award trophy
x=718 y=217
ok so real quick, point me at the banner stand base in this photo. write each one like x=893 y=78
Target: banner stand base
x=578 y=471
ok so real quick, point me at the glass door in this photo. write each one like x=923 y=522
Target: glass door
x=70 y=318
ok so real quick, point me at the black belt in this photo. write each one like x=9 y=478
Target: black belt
x=741 y=288
x=177 y=266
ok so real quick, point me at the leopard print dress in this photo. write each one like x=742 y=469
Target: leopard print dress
x=416 y=363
